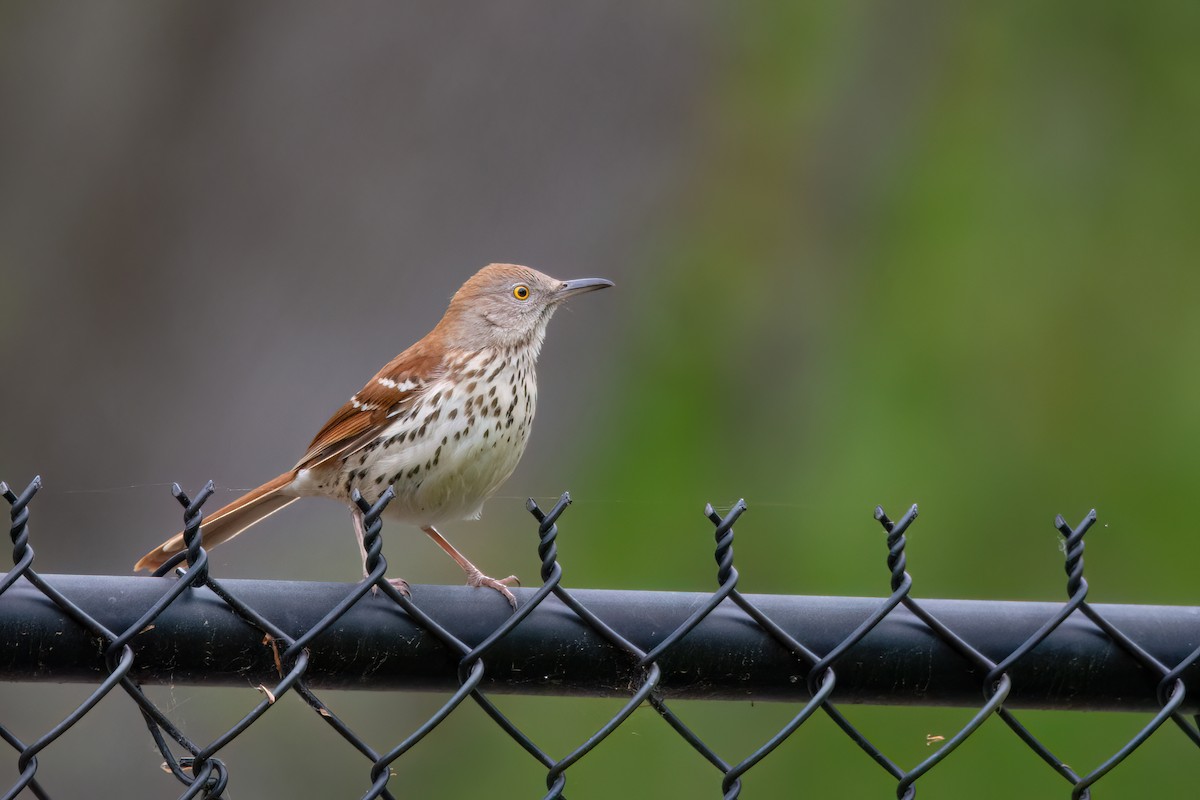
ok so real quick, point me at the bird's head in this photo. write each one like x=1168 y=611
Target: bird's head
x=507 y=305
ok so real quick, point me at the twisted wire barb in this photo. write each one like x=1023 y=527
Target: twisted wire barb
x=1171 y=690
x=652 y=674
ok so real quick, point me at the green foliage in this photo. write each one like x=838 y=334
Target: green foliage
x=979 y=296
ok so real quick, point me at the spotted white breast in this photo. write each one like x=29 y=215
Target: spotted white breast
x=449 y=449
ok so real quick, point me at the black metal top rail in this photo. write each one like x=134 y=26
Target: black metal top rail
x=198 y=639
x=295 y=638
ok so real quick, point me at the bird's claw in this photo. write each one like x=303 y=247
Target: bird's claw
x=477 y=579
x=399 y=584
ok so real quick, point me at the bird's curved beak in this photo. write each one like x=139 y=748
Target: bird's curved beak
x=579 y=286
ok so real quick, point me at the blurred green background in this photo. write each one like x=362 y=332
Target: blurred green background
x=864 y=253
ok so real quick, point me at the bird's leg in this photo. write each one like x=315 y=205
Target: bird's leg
x=360 y=535
x=474 y=576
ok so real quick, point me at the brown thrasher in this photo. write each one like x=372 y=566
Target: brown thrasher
x=445 y=422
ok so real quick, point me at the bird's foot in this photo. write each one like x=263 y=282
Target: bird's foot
x=477 y=578
x=400 y=585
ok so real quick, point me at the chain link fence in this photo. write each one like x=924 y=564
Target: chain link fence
x=649 y=647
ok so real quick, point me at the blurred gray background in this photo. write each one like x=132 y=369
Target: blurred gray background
x=864 y=253
x=212 y=243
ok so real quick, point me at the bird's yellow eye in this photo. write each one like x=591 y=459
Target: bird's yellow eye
x=521 y=291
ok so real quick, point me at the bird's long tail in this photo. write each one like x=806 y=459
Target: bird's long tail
x=249 y=509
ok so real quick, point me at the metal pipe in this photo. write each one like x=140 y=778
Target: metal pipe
x=199 y=640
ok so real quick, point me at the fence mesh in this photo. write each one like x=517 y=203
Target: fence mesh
x=201 y=772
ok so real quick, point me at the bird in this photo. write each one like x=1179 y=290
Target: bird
x=444 y=423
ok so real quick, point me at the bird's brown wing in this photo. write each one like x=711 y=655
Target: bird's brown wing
x=392 y=392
